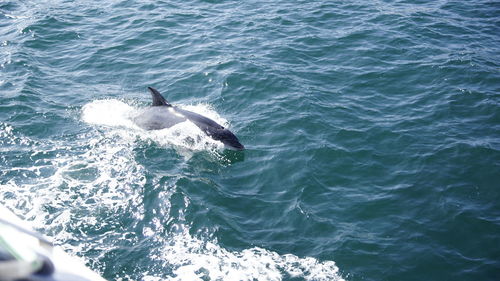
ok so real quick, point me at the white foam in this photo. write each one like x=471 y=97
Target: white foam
x=194 y=259
x=71 y=179
x=113 y=113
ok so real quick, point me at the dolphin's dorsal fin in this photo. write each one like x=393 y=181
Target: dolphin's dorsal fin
x=158 y=99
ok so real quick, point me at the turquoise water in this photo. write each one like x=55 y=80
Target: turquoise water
x=372 y=131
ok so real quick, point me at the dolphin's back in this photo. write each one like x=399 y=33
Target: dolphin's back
x=158 y=117
x=198 y=119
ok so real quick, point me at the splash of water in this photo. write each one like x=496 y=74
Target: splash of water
x=185 y=135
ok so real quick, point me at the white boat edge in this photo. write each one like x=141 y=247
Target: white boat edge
x=66 y=267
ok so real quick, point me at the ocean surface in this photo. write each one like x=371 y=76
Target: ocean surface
x=372 y=135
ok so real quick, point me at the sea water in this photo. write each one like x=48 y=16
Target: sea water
x=372 y=135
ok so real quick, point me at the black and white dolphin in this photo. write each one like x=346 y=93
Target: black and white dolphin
x=163 y=115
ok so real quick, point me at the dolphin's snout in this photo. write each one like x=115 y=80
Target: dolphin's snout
x=238 y=146
x=227 y=138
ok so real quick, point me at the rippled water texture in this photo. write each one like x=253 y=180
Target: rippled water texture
x=372 y=131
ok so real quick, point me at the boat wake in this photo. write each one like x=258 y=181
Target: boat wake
x=87 y=192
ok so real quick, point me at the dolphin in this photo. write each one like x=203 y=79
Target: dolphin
x=163 y=115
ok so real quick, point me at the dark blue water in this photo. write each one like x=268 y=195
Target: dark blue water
x=372 y=131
